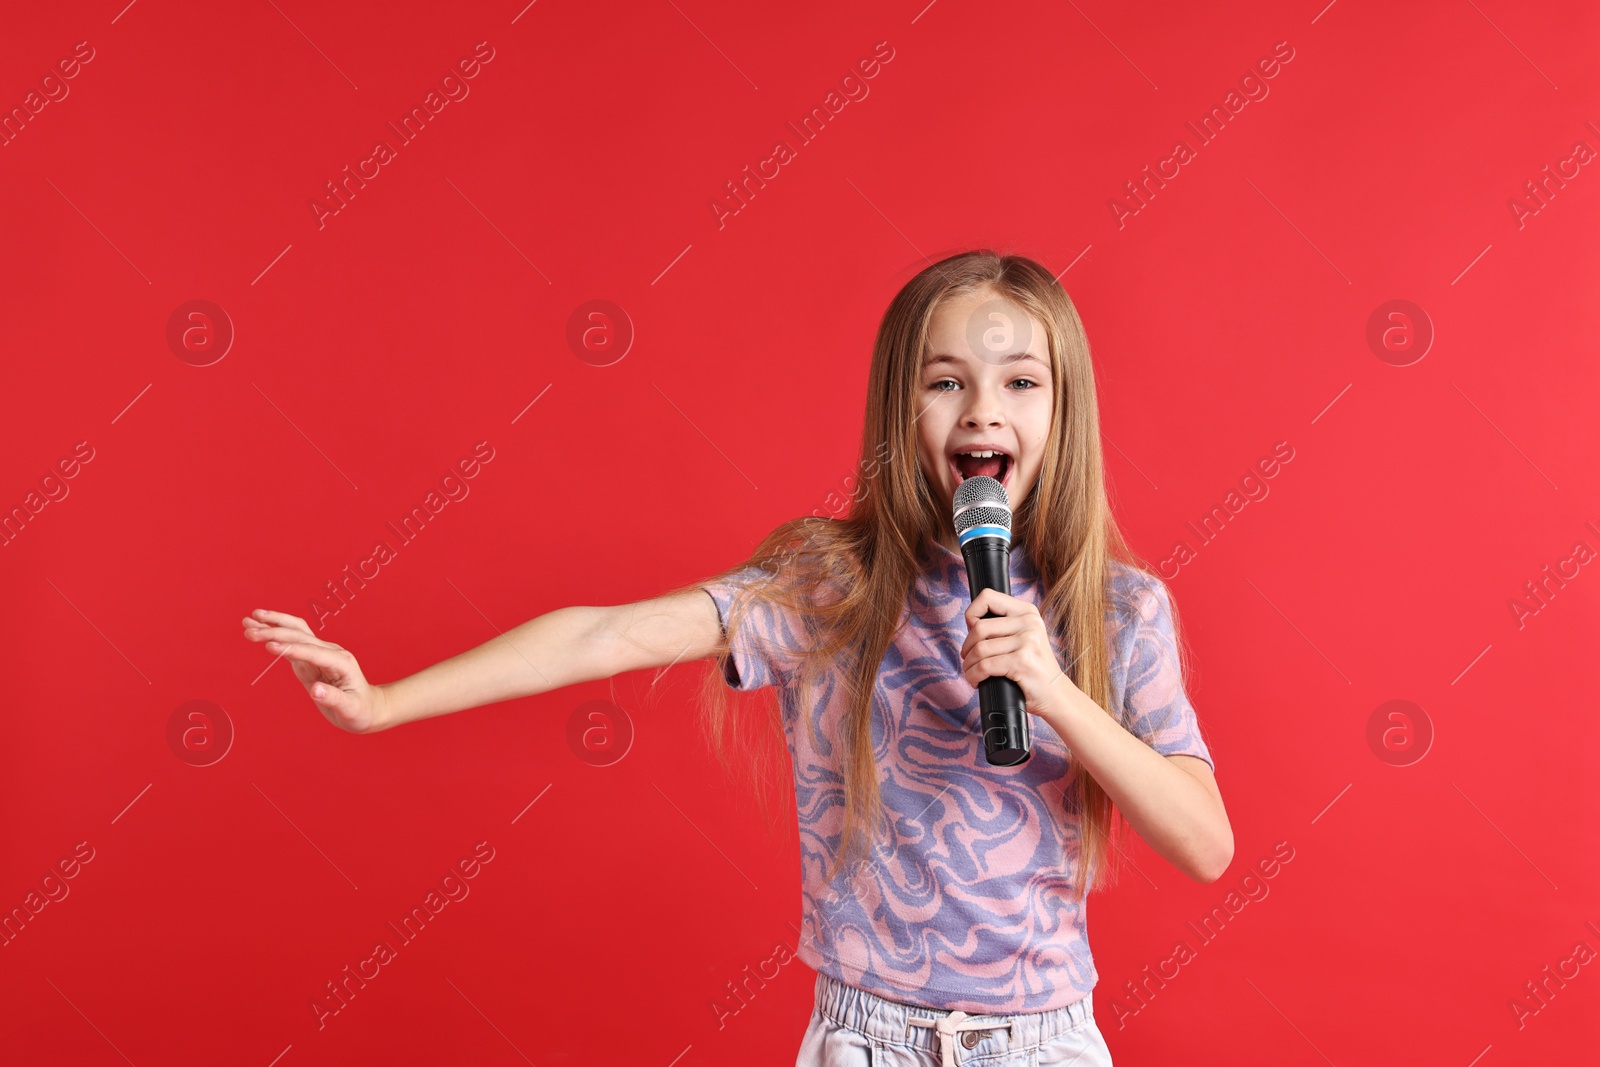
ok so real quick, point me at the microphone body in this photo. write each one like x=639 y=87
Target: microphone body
x=982 y=515
x=1002 y=713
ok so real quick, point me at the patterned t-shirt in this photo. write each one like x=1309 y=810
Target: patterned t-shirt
x=970 y=906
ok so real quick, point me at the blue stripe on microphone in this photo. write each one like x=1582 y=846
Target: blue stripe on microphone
x=986 y=531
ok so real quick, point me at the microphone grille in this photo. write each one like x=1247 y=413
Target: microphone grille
x=1000 y=517
x=981 y=501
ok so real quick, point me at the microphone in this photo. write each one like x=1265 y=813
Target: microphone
x=983 y=528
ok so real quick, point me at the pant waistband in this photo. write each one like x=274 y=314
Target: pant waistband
x=942 y=1032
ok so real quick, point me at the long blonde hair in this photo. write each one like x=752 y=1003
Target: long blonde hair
x=848 y=578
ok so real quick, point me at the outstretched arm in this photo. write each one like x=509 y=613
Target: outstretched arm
x=559 y=648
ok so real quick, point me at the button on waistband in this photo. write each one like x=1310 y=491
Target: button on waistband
x=957 y=1022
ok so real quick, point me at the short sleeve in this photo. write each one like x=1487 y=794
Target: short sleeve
x=767 y=640
x=1155 y=707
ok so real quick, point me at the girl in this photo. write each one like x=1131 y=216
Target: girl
x=943 y=898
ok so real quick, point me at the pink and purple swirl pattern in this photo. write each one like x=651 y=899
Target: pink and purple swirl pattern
x=970 y=904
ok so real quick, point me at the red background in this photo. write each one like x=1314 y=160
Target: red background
x=374 y=352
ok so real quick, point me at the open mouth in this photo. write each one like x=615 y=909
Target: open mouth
x=989 y=462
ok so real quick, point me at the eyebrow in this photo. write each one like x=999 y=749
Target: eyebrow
x=1015 y=357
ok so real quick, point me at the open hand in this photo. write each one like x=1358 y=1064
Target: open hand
x=328 y=671
x=1015 y=645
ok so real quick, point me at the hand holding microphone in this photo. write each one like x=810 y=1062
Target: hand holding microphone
x=983 y=528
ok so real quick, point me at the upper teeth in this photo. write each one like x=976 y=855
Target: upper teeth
x=983 y=455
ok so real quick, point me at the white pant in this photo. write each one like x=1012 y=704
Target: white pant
x=854 y=1028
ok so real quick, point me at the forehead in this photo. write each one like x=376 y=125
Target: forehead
x=987 y=328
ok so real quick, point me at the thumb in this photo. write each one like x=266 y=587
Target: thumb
x=333 y=697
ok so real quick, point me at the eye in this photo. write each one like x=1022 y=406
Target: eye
x=1032 y=385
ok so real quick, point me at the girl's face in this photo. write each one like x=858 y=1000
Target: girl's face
x=985 y=385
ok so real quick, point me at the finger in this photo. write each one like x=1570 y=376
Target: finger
x=330 y=696
x=992 y=667
x=284 y=636
x=287 y=635
x=279 y=618
x=335 y=661
x=979 y=607
x=1007 y=604
x=999 y=646
x=978 y=629
x=999 y=626
x=990 y=647
x=1002 y=604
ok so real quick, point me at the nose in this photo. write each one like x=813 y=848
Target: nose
x=982 y=409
